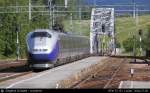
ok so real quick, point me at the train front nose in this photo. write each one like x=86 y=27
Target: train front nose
x=43 y=46
x=47 y=54
x=39 y=55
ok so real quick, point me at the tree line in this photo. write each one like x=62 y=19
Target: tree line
x=12 y=22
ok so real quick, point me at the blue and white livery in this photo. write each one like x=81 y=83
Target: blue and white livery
x=46 y=46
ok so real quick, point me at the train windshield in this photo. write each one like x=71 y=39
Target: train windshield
x=40 y=34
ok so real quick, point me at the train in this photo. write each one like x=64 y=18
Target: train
x=47 y=48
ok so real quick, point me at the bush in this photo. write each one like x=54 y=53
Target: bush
x=118 y=45
x=146 y=40
x=128 y=44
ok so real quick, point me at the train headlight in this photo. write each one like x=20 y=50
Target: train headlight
x=45 y=49
x=35 y=50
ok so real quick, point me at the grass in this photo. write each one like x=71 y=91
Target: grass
x=79 y=27
x=125 y=26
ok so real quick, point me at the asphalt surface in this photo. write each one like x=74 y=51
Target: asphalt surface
x=50 y=78
x=134 y=84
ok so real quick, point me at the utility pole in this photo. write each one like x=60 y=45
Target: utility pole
x=137 y=18
x=80 y=16
x=66 y=3
x=94 y=3
x=50 y=13
x=134 y=48
x=140 y=34
x=17 y=29
x=30 y=10
x=17 y=10
x=71 y=23
x=137 y=26
x=17 y=41
x=17 y=46
x=103 y=31
x=53 y=17
x=80 y=19
x=134 y=7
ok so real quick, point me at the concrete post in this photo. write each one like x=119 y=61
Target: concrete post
x=30 y=10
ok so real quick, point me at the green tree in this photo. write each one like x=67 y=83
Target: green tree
x=9 y=22
x=8 y=34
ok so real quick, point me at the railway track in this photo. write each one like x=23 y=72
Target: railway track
x=8 y=76
x=111 y=73
x=14 y=72
x=13 y=69
x=103 y=77
x=114 y=74
x=108 y=75
x=132 y=57
x=11 y=63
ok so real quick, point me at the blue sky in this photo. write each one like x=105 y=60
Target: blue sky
x=146 y=4
x=99 y=2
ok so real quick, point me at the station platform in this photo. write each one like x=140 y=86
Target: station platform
x=59 y=77
x=134 y=84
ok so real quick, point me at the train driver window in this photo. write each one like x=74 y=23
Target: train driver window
x=40 y=34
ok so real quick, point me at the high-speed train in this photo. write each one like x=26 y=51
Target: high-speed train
x=45 y=47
